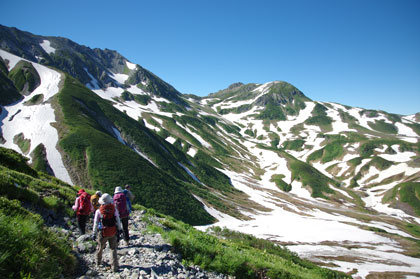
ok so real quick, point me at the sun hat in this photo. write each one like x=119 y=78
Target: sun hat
x=118 y=190
x=81 y=191
x=105 y=199
x=99 y=193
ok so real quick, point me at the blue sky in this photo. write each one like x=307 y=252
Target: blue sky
x=358 y=53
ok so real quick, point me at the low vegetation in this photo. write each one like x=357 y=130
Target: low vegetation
x=104 y=163
x=35 y=100
x=278 y=179
x=309 y=176
x=28 y=249
x=408 y=193
x=25 y=77
x=238 y=254
x=294 y=144
x=329 y=152
x=383 y=127
x=39 y=160
x=367 y=148
x=23 y=143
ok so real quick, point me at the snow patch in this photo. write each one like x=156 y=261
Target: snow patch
x=120 y=78
x=35 y=122
x=292 y=121
x=118 y=135
x=46 y=45
x=93 y=84
x=192 y=151
x=13 y=59
x=399 y=157
x=171 y=140
x=190 y=173
x=130 y=65
x=198 y=137
x=405 y=130
x=145 y=157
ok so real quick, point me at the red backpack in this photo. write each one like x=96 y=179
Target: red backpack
x=108 y=220
x=84 y=204
x=121 y=203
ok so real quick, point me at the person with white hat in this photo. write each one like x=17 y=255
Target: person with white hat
x=120 y=201
x=107 y=221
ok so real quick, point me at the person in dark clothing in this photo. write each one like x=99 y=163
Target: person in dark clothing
x=130 y=197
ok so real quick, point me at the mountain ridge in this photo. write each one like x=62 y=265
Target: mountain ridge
x=244 y=154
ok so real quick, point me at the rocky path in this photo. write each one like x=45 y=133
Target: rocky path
x=146 y=256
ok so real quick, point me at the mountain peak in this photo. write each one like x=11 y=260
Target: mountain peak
x=280 y=92
x=235 y=85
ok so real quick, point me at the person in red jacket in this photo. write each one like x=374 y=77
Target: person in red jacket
x=83 y=207
x=106 y=225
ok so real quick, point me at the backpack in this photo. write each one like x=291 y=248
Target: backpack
x=109 y=227
x=95 y=201
x=121 y=203
x=130 y=208
x=84 y=204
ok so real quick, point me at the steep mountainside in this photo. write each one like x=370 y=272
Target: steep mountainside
x=343 y=181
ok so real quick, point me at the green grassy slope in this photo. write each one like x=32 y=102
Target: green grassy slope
x=408 y=193
x=27 y=246
x=306 y=174
x=238 y=254
x=8 y=91
x=25 y=77
x=105 y=163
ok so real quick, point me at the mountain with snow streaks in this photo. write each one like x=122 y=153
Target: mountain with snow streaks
x=338 y=185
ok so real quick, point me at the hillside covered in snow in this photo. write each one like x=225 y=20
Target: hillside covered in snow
x=338 y=185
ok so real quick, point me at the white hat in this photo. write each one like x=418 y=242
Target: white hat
x=118 y=190
x=99 y=193
x=105 y=199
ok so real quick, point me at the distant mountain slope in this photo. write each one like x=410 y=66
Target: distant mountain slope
x=102 y=67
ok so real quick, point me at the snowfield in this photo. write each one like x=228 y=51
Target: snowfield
x=305 y=230
x=46 y=45
x=34 y=122
x=314 y=228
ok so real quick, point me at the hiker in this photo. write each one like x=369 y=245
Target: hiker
x=107 y=221
x=83 y=208
x=95 y=200
x=120 y=202
x=129 y=196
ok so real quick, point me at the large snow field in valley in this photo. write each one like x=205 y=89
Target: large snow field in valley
x=35 y=121
x=316 y=229
x=320 y=233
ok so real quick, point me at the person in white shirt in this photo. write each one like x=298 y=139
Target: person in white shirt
x=106 y=226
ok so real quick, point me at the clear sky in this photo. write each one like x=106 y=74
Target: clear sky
x=363 y=53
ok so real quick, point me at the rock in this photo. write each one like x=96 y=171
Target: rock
x=148 y=256
x=84 y=237
x=91 y=273
x=153 y=274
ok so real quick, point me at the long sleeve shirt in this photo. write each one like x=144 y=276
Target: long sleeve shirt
x=98 y=217
x=77 y=205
